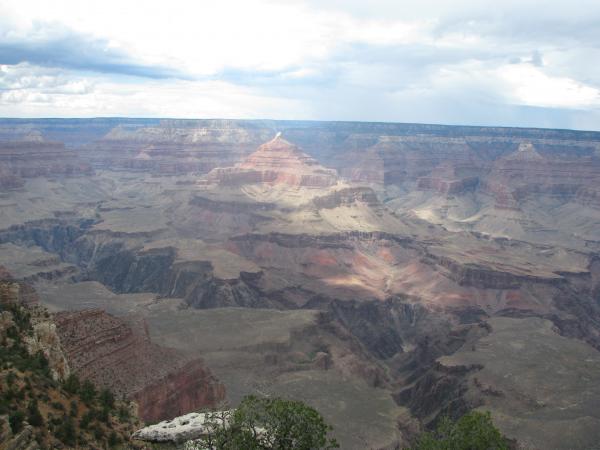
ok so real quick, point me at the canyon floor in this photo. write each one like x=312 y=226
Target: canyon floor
x=386 y=274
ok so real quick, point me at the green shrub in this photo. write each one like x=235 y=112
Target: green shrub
x=98 y=433
x=66 y=432
x=71 y=384
x=88 y=392
x=473 y=431
x=15 y=419
x=287 y=424
x=123 y=413
x=74 y=409
x=86 y=419
x=58 y=405
x=10 y=378
x=103 y=415
x=34 y=417
x=107 y=399
x=113 y=439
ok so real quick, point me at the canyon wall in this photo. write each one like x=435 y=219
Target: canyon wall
x=119 y=355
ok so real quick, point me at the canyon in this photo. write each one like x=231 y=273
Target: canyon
x=386 y=274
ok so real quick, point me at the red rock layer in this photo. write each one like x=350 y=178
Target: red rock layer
x=179 y=392
x=277 y=162
x=119 y=355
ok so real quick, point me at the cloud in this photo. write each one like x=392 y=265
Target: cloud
x=530 y=86
x=466 y=61
x=31 y=91
x=56 y=46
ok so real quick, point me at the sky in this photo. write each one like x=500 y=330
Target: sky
x=527 y=63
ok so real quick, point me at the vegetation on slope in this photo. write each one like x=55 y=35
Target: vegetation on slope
x=268 y=423
x=473 y=431
x=38 y=412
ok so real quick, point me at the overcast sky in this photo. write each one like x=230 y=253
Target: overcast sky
x=506 y=62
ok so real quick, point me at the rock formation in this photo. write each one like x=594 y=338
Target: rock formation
x=33 y=158
x=276 y=162
x=526 y=173
x=181 y=429
x=446 y=179
x=175 y=146
x=342 y=290
x=120 y=356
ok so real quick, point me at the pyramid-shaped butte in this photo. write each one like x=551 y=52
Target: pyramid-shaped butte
x=526 y=152
x=276 y=162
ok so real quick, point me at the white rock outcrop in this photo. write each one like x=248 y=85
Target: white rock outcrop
x=183 y=428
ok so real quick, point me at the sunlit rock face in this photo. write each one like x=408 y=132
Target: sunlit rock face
x=277 y=162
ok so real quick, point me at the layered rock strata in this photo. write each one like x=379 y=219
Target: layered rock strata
x=120 y=355
x=276 y=162
x=33 y=158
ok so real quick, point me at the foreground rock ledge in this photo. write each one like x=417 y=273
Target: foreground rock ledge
x=183 y=428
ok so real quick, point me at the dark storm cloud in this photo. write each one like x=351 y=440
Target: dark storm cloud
x=69 y=50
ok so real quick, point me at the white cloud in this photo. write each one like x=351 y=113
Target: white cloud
x=432 y=61
x=529 y=85
x=30 y=91
x=206 y=37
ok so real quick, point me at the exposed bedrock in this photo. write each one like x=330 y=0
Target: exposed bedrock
x=8 y=180
x=127 y=269
x=345 y=197
x=52 y=235
x=231 y=207
x=440 y=391
x=384 y=328
x=176 y=146
x=119 y=355
x=407 y=340
x=276 y=162
x=155 y=271
x=187 y=389
x=570 y=300
x=34 y=158
x=485 y=277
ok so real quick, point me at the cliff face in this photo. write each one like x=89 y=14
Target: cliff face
x=345 y=197
x=175 y=146
x=27 y=159
x=526 y=174
x=396 y=159
x=43 y=336
x=188 y=389
x=510 y=169
x=120 y=356
x=447 y=179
